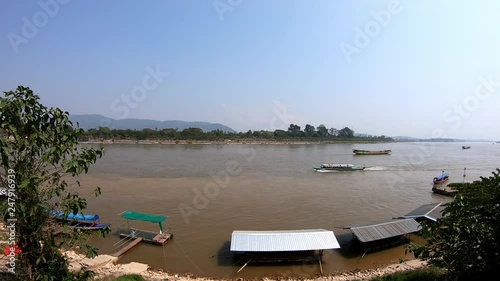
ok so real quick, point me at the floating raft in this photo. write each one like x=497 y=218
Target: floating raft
x=147 y=236
x=158 y=238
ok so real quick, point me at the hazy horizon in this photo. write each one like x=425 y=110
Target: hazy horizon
x=423 y=69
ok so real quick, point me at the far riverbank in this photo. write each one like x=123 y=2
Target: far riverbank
x=220 y=142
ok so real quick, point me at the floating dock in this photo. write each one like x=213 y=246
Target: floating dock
x=147 y=236
x=135 y=235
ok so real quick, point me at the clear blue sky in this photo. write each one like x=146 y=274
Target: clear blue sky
x=264 y=64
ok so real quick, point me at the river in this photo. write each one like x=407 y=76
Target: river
x=207 y=191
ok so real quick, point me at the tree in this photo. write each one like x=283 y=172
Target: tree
x=309 y=130
x=294 y=130
x=38 y=155
x=280 y=134
x=322 y=131
x=333 y=132
x=466 y=240
x=346 y=133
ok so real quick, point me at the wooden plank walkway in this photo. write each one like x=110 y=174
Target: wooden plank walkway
x=128 y=247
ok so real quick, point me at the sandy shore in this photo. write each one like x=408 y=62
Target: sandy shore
x=106 y=267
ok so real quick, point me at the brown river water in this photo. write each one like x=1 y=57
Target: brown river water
x=207 y=191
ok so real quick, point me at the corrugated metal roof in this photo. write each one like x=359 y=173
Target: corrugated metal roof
x=386 y=229
x=431 y=211
x=283 y=240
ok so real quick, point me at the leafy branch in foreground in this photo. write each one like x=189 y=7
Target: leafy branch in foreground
x=466 y=240
x=39 y=152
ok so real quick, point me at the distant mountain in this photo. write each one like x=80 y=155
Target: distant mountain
x=90 y=121
x=404 y=138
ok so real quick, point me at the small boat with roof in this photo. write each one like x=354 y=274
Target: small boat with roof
x=338 y=167
x=441 y=179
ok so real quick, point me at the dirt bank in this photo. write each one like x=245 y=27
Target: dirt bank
x=106 y=267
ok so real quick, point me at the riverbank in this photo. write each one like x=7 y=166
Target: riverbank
x=229 y=142
x=107 y=267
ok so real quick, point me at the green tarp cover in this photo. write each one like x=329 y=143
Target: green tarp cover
x=143 y=217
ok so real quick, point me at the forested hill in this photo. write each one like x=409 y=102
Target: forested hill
x=94 y=121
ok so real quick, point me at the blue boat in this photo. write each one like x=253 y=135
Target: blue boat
x=81 y=221
x=442 y=178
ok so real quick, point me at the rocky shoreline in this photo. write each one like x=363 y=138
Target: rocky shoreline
x=106 y=267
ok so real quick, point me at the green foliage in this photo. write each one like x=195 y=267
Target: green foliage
x=346 y=133
x=466 y=241
x=40 y=149
x=193 y=134
x=431 y=274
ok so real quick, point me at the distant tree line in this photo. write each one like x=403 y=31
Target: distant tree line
x=294 y=132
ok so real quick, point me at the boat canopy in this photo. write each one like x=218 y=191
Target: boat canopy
x=143 y=217
x=129 y=215
x=443 y=176
x=72 y=216
x=337 y=165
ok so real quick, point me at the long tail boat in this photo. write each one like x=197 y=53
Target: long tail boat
x=338 y=167
x=371 y=152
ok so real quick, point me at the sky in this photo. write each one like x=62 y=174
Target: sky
x=396 y=68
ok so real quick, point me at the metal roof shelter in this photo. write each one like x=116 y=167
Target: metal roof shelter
x=283 y=240
x=129 y=215
x=431 y=212
x=280 y=244
x=385 y=229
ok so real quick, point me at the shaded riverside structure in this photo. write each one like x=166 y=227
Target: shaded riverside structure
x=283 y=245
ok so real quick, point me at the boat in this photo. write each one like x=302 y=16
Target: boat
x=81 y=221
x=466 y=147
x=371 y=152
x=338 y=167
x=442 y=178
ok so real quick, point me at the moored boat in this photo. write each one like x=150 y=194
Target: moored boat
x=442 y=178
x=81 y=221
x=338 y=167
x=371 y=152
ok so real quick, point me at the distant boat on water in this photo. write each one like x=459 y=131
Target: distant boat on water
x=338 y=167
x=371 y=152
x=465 y=146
